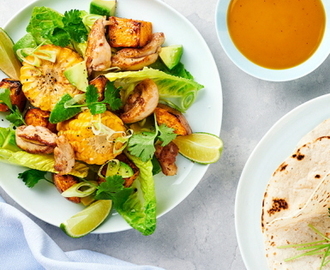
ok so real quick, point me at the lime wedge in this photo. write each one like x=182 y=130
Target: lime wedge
x=9 y=64
x=200 y=147
x=88 y=219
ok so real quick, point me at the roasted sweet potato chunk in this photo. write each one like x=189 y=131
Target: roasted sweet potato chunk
x=173 y=119
x=129 y=33
x=38 y=117
x=17 y=96
x=100 y=82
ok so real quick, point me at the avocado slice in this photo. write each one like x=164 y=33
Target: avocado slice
x=171 y=55
x=77 y=75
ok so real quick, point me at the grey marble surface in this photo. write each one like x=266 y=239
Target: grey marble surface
x=200 y=232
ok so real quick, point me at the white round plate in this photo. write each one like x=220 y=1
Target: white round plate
x=43 y=201
x=270 y=152
x=276 y=75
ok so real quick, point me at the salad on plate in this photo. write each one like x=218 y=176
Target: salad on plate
x=96 y=105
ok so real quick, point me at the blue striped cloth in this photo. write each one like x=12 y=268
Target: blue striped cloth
x=24 y=245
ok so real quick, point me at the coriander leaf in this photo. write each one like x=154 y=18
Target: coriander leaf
x=61 y=113
x=31 y=177
x=92 y=94
x=92 y=103
x=166 y=134
x=74 y=26
x=97 y=108
x=15 y=116
x=113 y=189
x=5 y=97
x=142 y=145
x=112 y=96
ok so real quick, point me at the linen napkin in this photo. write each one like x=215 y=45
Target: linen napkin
x=24 y=245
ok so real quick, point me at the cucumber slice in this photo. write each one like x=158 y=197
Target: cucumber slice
x=171 y=55
x=103 y=7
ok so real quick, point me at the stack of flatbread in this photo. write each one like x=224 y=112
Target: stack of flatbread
x=298 y=195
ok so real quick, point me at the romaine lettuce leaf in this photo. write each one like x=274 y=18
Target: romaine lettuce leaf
x=44 y=23
x=7 y=139
x=12 y=154
x=180 y=91
x=140 y=209
x=49 y=26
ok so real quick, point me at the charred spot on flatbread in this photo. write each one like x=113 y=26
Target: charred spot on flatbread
x=281 y=168
x=317 y=176
x=298 y=155
x=277 y=206
x=322 y=137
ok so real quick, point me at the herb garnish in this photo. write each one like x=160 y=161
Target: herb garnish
x=321 y=247
x=142 y=145
x=15 y=116
x=31 y=177
x=65 y=108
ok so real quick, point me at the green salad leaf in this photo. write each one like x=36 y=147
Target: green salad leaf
x=45 y=25
x=49 y=26
x=177 y=90
x=139 y=210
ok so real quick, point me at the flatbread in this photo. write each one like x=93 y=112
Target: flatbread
x=298 y=194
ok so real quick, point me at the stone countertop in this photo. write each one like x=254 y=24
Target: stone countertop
x=199 y=233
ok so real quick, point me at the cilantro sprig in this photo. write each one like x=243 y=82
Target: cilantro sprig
x=73 y=29
x=142 y=145
x=15 y=116
x=113 y=189
x=31 y=177
x=65 y=110
x=74 y=26
x=111 y=99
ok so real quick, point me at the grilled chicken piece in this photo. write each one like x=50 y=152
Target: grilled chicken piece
x=166 y=155
x=137 y=58
x=141 y=102
x=44 y=85
x=35 y=139
x=157 y=40
x=63 y=182
x=17 y=96
x=98 y=52
x=63 y=155
x=37 y=117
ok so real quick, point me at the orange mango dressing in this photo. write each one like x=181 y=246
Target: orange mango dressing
x=276 y=34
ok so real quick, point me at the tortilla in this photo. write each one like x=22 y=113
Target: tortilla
x=298 y=194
